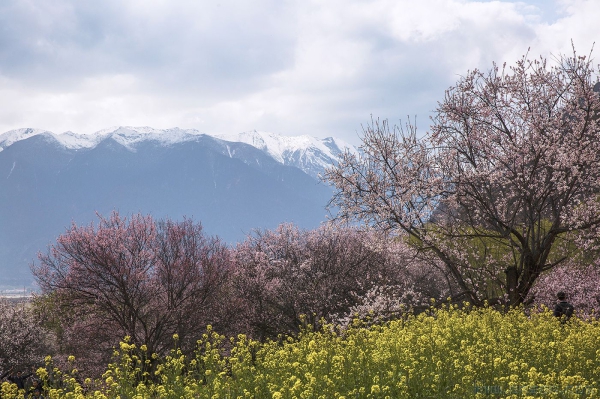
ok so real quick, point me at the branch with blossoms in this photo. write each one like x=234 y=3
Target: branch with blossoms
x=510 y=167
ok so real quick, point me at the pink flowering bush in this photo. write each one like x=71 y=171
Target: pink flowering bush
x=290 y=277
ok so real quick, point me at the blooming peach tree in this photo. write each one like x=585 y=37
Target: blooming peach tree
x=133 y=277
x=508 y=174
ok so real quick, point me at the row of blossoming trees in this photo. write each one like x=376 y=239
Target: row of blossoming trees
x=498 y=203
x=146 y=279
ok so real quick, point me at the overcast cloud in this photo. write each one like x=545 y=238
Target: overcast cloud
x=286 y=66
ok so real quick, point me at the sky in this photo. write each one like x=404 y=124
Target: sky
x=293 y=67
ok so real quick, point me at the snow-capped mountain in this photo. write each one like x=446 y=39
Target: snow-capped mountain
x=231 y=184
x=124 y=135
x=9 y=138
x=310 y=154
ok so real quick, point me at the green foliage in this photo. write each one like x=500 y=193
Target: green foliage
x=483 y=256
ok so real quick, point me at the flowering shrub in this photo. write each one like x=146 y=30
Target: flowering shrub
x=446 y=353
x=384 y=303
x=22 y=341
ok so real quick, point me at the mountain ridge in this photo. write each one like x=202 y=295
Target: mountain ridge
x=310 y=154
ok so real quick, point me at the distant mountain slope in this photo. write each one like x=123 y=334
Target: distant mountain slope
x=307 y=153
x=48 y=181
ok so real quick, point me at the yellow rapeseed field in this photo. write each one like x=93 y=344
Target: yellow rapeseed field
x=444 y=353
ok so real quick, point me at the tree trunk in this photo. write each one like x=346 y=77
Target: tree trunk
x=512 y=278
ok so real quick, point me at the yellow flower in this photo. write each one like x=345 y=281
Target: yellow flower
x=42 y=373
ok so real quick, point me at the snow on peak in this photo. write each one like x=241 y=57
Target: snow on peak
x=125 y=135
x=12 y=136
x=129 y=136
x=305 y=152
x=285 y=148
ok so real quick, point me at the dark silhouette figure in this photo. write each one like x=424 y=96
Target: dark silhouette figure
x=35 y=386
x=37 y=394
x=19 y=379
x=563 y=309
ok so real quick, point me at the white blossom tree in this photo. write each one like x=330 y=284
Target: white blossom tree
x=23 y=342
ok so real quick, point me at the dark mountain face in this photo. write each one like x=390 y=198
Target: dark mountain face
x=230 y=188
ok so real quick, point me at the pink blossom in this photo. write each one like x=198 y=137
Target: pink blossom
x=509 y=171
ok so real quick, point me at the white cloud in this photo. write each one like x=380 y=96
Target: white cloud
x=291 y=66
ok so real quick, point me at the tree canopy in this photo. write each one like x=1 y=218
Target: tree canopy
x=507 y=174
x=137 y=277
